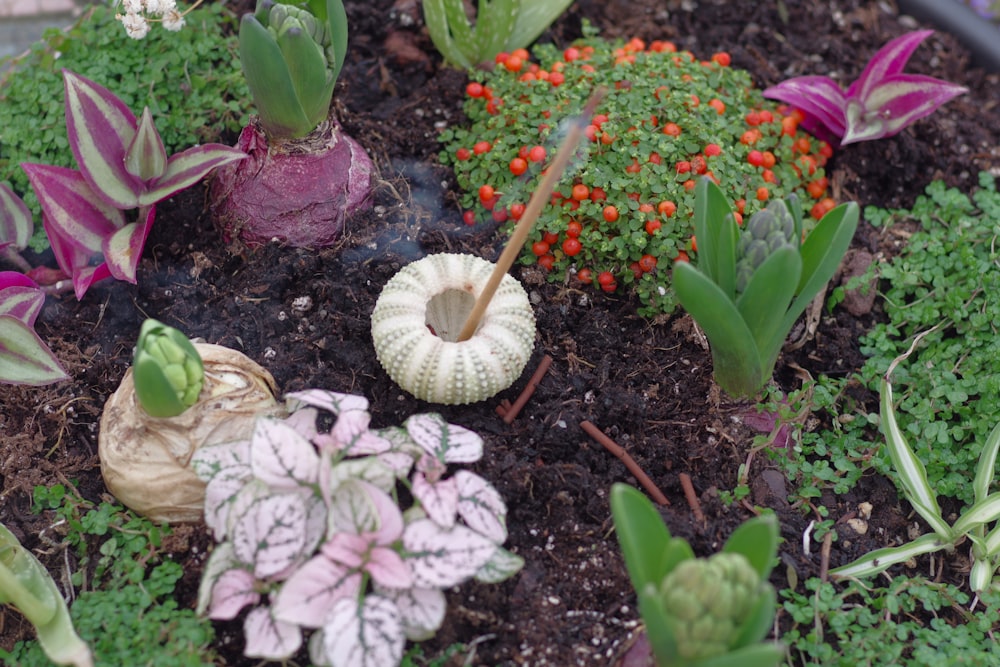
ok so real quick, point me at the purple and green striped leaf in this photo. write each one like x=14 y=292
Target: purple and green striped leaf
x=101 y=129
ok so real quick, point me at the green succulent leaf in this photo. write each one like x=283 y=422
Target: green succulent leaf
x=26 y=584
x=735 y=358
x=642 y=534
x=450 y=31
x=533 y=18
x=270 y=82
x=822 y=252
x=756 y=655
x=765 y=300
x=306 y=63
x=757 y=539
x=336 y=20
x=717 y=234
x=659 y=629
x=495 y=22
x=167 y=370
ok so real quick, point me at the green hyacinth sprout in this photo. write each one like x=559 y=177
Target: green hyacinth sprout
x=167 y=370
x=291 y=58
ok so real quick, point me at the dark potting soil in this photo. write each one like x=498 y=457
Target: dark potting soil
x=647 y=384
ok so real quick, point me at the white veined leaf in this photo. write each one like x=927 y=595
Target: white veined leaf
x=439 y=500
x=400 y=441
x=233 y=458
x=315 y=529
x=221 y=493
x=323 y=399
x=268 y=637
x=241 y=503
x=271 y=533
x=446 y=442
x=361 y=507
x=233 y=590
x=304 y=421
x=421 y=610
x=502 y=566
x=400 y=463
x=308 y=596
x=221 y=559
x=481 y=506
x=370 y=469
x=442 y=557
x=365 y=633
x=280 y=456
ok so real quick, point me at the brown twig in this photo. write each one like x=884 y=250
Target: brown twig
x=538 y=200
x=510 y=411
x=691 y=497
x=633 y=467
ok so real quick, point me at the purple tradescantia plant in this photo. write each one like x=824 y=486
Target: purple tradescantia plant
x=24 y=358
x=879 y=104
x=313 y=536
x=123 y=165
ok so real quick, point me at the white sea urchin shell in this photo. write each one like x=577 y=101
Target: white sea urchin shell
x=417 y=319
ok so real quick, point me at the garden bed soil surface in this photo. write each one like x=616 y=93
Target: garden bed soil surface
x=647 y=384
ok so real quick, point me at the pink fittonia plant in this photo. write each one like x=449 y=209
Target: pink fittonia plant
x=880 y=103
x=123 y=165
x=313 y=536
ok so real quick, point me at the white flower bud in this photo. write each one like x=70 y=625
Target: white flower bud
x=173 y=20
x=135 y=26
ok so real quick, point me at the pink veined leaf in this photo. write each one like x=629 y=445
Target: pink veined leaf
x=421 y=610
x=220 y=495
x=24 y=357
x=330 y=401
x=447 y=442
x=123 y=249
x=303 y=420
x=347 y=549
x=388 y=569
x=361 y=507
x=268 y=637
x=280 y=456
x=146 y=157
x=309 y=594
x=888 y=61
x=20 y=301
x=270 y=534
x=101 y=128
x=233 y=590
x=481 y=506
x=365 y=633
x=221 y=560
x=16 y=225
x=232 y=458
x=439 y=500
x=440 y=558
x=368 y=469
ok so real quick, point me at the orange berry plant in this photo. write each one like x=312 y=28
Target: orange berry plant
x=624 y=209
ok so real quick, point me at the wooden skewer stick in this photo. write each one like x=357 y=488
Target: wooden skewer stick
x=531 y=213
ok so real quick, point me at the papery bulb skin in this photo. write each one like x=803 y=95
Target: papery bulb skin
x=298 y=192
x=145 y=459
